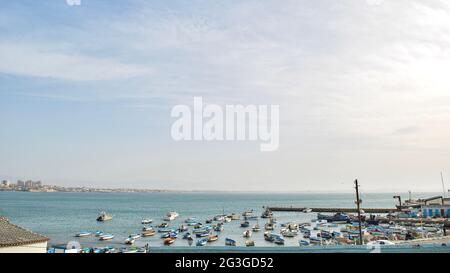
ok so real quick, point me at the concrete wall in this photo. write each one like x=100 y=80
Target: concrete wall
x=32 y=248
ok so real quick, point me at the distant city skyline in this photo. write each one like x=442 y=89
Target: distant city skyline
x=86 y=93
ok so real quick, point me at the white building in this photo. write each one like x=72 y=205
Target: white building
x=15 y=239
x=6 y=183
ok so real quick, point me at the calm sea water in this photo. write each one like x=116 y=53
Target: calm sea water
x=60 y=216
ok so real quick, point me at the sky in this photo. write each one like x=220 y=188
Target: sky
x=86 y=92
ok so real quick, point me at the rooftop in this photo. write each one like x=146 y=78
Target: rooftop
x=12 y=235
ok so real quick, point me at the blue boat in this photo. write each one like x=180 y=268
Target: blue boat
x=202 y=242
x=230 y=242
x=278 y=239
x=203 y=234
x=245 y=224
x=303 y=243
x=164 y=230
x=186 y=235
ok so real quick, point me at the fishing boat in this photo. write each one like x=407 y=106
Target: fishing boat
x=269 y=226
x=186 y=235
x=147 y=228
x=268 y=236
x=303 y=243
x=200 y=230
x=202 y=242
x=146 y=221
x=338 y=218
x=247 y=213
x=171 y=215
x=166 y=230
x=278 y=239
x=227 y=219
x=169 y=241
x=134 y=236
x=247 y=234
x=245 y=224
x=315 y=240
x=208 y=221
x=230 y=242
x=103 y=216
x=235 y=216
x=289 y=232
x=83 y=234
x=148 y=233
x=249 y=243
x=251 y=217
x=106 y=237
x=256 y=228
x=183 y=228
x=307 y=210
x=98 y=233
x=203 y=234
x=218 y=227
x=219 y=218
x=129 y=241
x=213 y=238
x=191 y=221
x=267 y=214
x=163 y=225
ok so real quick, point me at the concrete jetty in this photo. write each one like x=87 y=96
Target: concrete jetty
x=333 y=210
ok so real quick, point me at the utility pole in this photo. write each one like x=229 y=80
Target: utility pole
x=358 y=202
x=443 y=187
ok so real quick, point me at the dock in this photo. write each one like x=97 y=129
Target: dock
x=333 y=210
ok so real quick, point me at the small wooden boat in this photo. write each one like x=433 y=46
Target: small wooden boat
x=134 y=236
x=267 y=214
x=209 y=221
x=213 y=238
x=147 y=228
x=247 y=213
x=186 y=235
x=146 y=221
x=269 y=226
x=169 y=241
x=129 y=241
x=166 y=230
x=249 y=243
x=202 y=242
x=83 y=234
x=230 y=242
x=104 y=217
x=235 y=216
x=148 y=233
x=98 y=233
x=183 y=228
x=106 y=237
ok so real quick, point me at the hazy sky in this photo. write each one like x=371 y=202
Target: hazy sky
x=363 y=87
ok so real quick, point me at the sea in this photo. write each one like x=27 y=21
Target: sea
x=60 y=215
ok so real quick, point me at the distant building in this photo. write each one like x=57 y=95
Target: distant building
x=15 y=239
x=6 y=183
x=28 y=184
x=37 y=184
x=20 y=184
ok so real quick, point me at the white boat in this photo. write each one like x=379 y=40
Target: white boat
x=247 y=233
x=106 y=237
x=129 y=241
x=170 y=216
x=103 y=216
x=83 y=234
x=146 y=221
x=289 y=232
x=256 y=228
x=307 y=210
x=134 y=236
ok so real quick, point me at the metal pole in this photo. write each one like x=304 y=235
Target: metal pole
x=358 y=202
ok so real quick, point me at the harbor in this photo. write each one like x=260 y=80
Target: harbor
x=236 y=222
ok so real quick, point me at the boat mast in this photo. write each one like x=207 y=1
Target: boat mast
x=358 y=202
